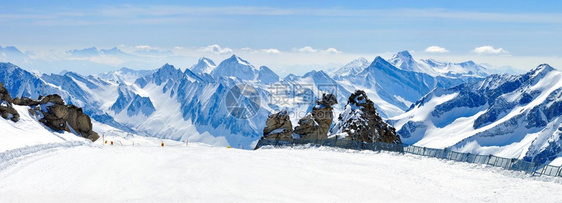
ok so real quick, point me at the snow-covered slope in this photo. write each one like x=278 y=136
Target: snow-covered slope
x=172 y=104
x=392 y=89
x=404 y=61
x=30 y=132
x=235 y=67
x=124 y=75
x=204 y=65
x=210 y=174
x=517 y=116
x=464 y=70
x=352 y=68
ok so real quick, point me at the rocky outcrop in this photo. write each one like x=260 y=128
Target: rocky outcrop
x=25 y=101
x=278 y=127
x=60 y=117
x=51 y=111
x=316 y=125
x=7 y=111
x=360 y=121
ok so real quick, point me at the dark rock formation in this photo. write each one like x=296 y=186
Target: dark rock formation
x=61 y=117
x=51 y=111
x=7 y=111
x=317 y=124
x=360 y=121
x=53 y=98
x=25 y=101
x=278 y=127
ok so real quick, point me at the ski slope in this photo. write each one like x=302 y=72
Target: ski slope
x=29 y=132
x=202 y=173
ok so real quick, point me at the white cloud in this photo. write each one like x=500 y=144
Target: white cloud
x=216 y=49
x=259 y=51
x=144 y=47
x=489 y=50
x=436 y=49
x=332 y=51
x=271 y=51
x=307 y=49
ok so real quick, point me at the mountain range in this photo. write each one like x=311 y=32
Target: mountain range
x=431 y=103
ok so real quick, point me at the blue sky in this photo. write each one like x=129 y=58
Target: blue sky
x=521 y=34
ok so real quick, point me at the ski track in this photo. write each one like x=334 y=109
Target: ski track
x=216 y=174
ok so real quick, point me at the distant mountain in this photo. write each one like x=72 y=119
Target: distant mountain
x=86 y=52
x=113 y=52
x=93 y=51
x=11 y=52
x=352 y=68
x=394 y=89
x=204 y=65
x=124 y=75
x=90 y=93
x=518 y=116
x=404 y=61
x=266 y=75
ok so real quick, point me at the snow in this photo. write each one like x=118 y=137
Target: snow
x=556 y=162
x=168 y=120
x=507 y=136
x=29 y=132
x=217 y=174
x=404 y=61
x=423 y=112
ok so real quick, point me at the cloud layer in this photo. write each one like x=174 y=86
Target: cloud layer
x=489 y=50
x=436 y=49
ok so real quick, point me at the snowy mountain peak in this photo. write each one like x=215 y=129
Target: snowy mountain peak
x=92 y=51
x=403 y=60
x=291 y=77
x=352 y=68
x=468 y=63
x=316 y=74
x=543 y=68
x=207 y=61
x=404 y=55
x=165 y=73
x=167 y=67
x=235 y=67
x=113 y=51
x=124 y=75
x=239 y=60
x=267 y=76
x=204 y=65
x=379 y=62
x=12 y=49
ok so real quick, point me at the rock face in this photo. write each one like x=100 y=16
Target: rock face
x=278 y=127
x=61 y=117
x=317 y=124
x=51 y=111
x=360 y=121
x=7 y=111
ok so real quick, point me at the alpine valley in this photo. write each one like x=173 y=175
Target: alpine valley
x=463 y=106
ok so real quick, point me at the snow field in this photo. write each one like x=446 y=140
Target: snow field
x=209 y=174
x=29 y=132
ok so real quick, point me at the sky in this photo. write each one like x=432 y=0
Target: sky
x=287 y=36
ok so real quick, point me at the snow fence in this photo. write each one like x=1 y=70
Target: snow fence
x=447 y=154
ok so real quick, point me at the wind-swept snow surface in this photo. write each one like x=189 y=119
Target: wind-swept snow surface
x=217 y=174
